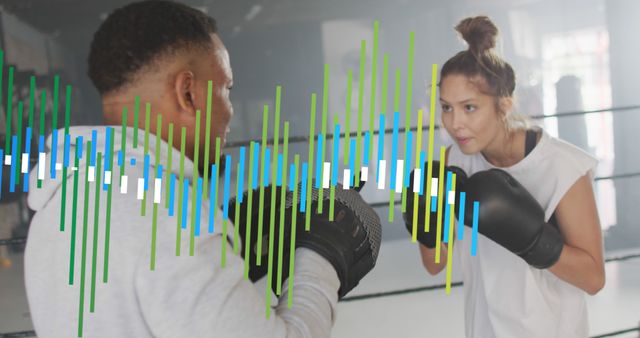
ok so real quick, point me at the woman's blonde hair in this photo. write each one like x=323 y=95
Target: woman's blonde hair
x=480 y=62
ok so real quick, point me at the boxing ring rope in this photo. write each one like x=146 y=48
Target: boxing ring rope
x=302 y=139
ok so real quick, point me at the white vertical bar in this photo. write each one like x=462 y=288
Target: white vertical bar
x=451 y=197
x=25 y=163
x=417 y=183
x=58 y=166
x=382 y=173
x=346 y=179
x=92 y=173
x=399 y=178
x=123 y=184
x=140 y=188
x=364 y=174
x=42 y=158
x=7 y=159
x=157 y=190
x=434 y=186
x=326 y=175
x=107 y=177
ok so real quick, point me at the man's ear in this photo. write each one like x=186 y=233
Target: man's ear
x=185 y=91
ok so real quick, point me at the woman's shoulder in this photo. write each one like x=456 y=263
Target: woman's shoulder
x=567 y=155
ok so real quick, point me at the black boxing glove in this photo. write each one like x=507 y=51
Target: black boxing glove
x=510 y=216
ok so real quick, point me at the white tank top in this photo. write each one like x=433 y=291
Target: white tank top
x=504 y=296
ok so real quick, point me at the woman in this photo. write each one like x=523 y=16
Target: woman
x=509 y=293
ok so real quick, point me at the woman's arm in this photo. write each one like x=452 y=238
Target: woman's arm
x=581 y=262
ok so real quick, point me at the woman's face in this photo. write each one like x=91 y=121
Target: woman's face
x=469 y=116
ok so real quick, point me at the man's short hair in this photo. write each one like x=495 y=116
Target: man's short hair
x=136 y=35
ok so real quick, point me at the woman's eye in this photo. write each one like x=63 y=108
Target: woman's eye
x=446 y=108
x=470 y=107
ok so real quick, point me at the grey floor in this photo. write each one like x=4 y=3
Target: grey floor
x=430 y=313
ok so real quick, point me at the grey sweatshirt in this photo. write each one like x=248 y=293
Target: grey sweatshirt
x=184 y=296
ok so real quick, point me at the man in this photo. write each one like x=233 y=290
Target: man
x=166 y=53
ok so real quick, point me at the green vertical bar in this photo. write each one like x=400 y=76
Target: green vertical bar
x=108 y=221
x=358 y=163
x=396 y=108
x=294 y=217
x=408 y=109
x=263 y=164
x=272 y=210
x=67 y=109
x=247 y=246
x=18 y=158
x=96 y=217
x=136 y=113
x=384 y=90
x=236 y=226
x=183 y=139
x=147 y=124
x=85 y=230
x=123 y=141
x=374 y=79
x=312 y=130
x=432 y=118
x=347 y=121
x=154 y=221
x=207 y=136
x=414 y=211
x=332 y=191
x=74 y=211
x=283 y=195
x=217 y=173
x=9 y=112
x=169 y=165
x=1 y=73
x=32 y=100
x=194 y=194
x=325 y=103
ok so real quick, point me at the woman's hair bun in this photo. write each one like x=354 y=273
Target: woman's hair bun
x=479 y=32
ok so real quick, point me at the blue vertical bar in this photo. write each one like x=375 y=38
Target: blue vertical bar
x=434 y=203
x=146 y=172
x=266 y=166
x=198 y=203
x=185 y=204
x=79 y=146
x=446 y=209
x=463 y=196
x=352 y=160
x=407 y=160
x=279 y=175
x=54 y=152
x=319 y=161
x=422 y=174
x=303 y=197
x=94 y=141
x=367 y=137
x=240 y=182
x=474 y=234
x=14 y=161
x=172 y=188
x=256 y=156
x=65 y=156
x=27 y=145
x=292 y=184
x=120 y=158
x=225 y=196
x=380 y=145
x=336 y=146
x=212 y=191
x=394 y=151
x=107 y=158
